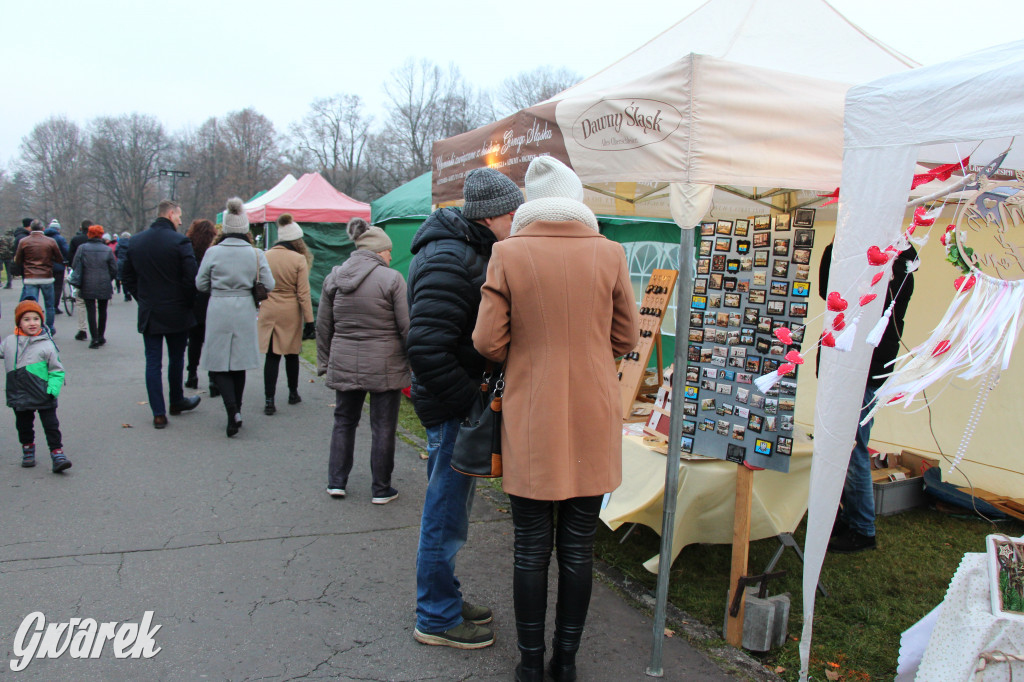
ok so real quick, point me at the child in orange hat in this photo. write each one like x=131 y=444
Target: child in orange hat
x=34 y=379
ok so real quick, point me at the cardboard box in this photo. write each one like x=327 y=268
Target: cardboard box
x=893 y=497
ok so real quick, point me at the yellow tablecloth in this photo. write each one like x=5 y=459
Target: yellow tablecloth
x=707 y=496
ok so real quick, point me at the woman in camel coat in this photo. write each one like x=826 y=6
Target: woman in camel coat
x=558 y=308
x=283 y=314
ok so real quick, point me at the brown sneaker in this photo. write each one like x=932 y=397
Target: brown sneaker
x=465 y=635
x=478 y=615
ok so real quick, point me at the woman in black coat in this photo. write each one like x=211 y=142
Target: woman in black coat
x=92 y=271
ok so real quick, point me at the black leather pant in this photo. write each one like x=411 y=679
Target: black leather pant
x=536 y=531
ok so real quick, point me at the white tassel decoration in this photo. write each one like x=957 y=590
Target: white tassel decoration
x=913 y=265
x=844 y=342
x=876 y=333
x=766 y=382
x=922 y=240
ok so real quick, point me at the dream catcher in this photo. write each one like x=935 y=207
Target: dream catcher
x=976 y=336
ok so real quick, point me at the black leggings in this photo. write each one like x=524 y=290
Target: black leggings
x=195 y=346
x=231 y=386
x=535 y=532
x=96 y=329
x=25 y=419
x=272 y=366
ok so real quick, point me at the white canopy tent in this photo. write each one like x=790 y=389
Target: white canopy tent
x=890 y=124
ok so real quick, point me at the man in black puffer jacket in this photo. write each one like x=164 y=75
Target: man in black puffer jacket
x=451 y=250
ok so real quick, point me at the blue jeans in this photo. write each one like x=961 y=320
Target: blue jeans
x=154 y=344
x=858 y=510
x=34 y=290
x=443 y=531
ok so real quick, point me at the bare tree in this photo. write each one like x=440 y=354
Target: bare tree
x=531 y=87
x=51 y=162
x=125 y=153
x=425 y=104
x=203 y=152
x=333 y=135
x=15 y=198
x=253 y=152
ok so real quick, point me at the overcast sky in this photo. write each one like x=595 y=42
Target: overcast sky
x=186 y=60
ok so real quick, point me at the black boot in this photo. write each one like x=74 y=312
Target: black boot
x=269 y=408
x=531 y=665
x=563 y=665
x=293 y=396
x=192 y=381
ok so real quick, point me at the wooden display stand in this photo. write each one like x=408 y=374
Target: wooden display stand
x=657 y=294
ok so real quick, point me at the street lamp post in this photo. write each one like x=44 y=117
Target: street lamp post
x=174 y=175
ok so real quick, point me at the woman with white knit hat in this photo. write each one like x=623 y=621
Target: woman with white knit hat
x=228 y=272
x=557 y=308
x=283 y=314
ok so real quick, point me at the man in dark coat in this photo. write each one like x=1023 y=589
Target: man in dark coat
x=451 y=250
x=160 y=273
x=854 y=529
x=53 y=232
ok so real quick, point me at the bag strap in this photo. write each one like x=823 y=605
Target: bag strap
x=257 y=255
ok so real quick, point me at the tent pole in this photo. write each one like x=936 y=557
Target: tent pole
x=684 y=291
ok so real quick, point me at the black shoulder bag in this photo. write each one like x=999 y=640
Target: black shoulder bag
x=478 y=446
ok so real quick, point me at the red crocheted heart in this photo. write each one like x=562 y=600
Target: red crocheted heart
x=828 y=340
x=959 y=281
x=878 y=276
x=836 y=303
x=784 y=335
x=867 y=298
x=785 y=368
x=839 y=322
x=877 y=257
x=794 y=357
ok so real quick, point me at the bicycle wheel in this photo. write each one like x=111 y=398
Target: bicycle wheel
x=69 y=298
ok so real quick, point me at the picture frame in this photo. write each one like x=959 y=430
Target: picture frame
x=718 y=263
x=761 y=258
x=780 y=247
x=696 y=335
x=797 y=331
x=784 y=446
x=692 y=373
x=729 y=284
x=687 y=445
x=776 y=307
x=741 y=227
x=801 y=256
x=689 y=408
x=782 y=222
x=764 y=325
x=724 y=227
x=762 y=223
x=696 y=319
x=693 y=353
x=750 y=315
x=761 y=239
x=755 y=422
x=763 y=447
x=707 y=229
x=725 y=244
x=780 y=268
x=689 y=427
x=706 y=245
x=714 y=281
x=798 y=309
x=703 y=266
x=779 y=287
x=803 y=217
x=735 y=453
x=700 y=285
x=732 y=300
x=762 y=345
x=803 y=239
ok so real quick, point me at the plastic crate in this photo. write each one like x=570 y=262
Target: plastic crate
x=893 y=497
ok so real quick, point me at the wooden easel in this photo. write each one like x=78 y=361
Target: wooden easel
x=740 y=551
x=657 y=294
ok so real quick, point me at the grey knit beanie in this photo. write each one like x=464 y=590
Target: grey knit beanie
x=235 y=220
x=488 y=194
x=368 y=237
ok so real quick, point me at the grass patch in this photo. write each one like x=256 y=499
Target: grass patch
x=874 y=596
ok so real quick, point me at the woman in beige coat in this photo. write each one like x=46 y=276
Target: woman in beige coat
x=557 y=308
x=283 y=314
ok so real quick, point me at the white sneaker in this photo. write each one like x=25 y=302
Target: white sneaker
x=387 y=497
x=336 y=492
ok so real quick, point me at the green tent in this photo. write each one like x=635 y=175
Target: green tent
x=649 y=242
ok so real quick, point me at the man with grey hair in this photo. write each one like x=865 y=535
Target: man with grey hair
x=451 y=250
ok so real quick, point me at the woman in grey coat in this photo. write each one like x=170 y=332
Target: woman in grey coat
x=91 y=272
x=361 y=329
x=228 y=272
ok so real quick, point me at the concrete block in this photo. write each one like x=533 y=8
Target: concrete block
x=765 y=622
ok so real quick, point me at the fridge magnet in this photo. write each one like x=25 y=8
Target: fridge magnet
x=706 y=245
x=687 y=445
x=761 y=258
x=798 y=309
x=739 y=432
x=756 y=401
x=707 y=229
x=780 y=247
x=735 y=453
x=707 y=404
x=718 y=263
x=755 y=422
x=745 y=377
x=803 y=272
x=725 y=244
x=729 y=284
x=761 y=240
x=801 y=289
x=780 y=268
x=724 y=227
x=801 y=256
x=722 y=427
x=763 y=447
x=714 y=280
x=700 y=285
x=698 y=302
x=776 y=307
x=742 y=246
x=771 y=422
x=753 y=365
x=757 y=295
x=779 y=287
x=732 y=300
x=784 y=446
x=741 y=227
x=703 y=266
x=762 y=223
x=747 y=263
x=689 y=408
x=803 y=217
x=690 y=392
x=732 y=265
x=696 y=335
x=782 y=222
x=714 y=300
x=803 y=239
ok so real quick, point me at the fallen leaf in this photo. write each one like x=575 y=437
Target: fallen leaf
x=669 y=633
x=833 y=665
x=331 y=405
x=126 y=426
x=503 y=511
x=832 y=675
x=312 y=381
x=144 y=402
x=779 y=670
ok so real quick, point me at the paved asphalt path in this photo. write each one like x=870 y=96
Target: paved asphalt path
x=251 y=570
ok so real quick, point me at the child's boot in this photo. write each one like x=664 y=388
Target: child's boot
x=60 y=462
x=28 y=455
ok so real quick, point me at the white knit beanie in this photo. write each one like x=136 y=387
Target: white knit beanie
x=235 y=220
x=554 y=194
x=548 y=177
x=287 y=229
